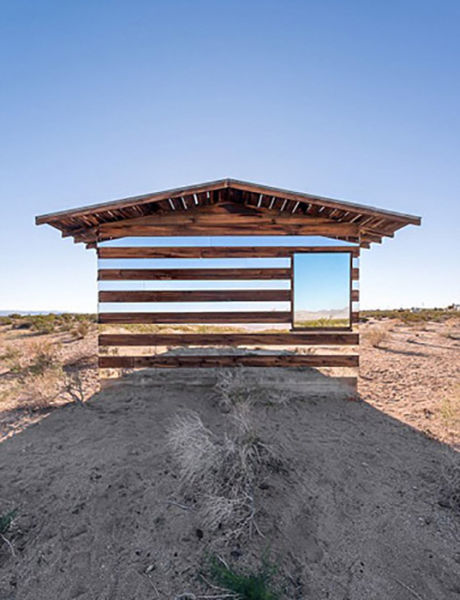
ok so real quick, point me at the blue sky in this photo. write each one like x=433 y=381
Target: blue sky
x=322 y=282
x=356 y=100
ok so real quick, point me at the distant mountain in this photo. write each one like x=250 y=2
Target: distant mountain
x=310 y=315
x=5 y=313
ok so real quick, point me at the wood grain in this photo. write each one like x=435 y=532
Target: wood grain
x=218 y=252
x=228 y=339
x=196 y=296
x=191 y=274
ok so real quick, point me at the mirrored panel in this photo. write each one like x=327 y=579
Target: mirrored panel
x=321 y=290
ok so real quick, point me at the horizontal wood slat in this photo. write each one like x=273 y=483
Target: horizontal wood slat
x=355 y=295
x=196 y=296
x=196 y=317
x=191 y=274
x=228 y=339
x=355 y=274
x=232 y=227
x=218 y=252
x=281 y=360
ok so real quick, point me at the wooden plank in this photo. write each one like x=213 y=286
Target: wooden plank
x=228 y=339
x=355 y=317
x=191 y=274
x=355 y=295
x=198 y=228
x=196 y=296
x=218 y=251
x=196 y=317
x=355 y=274
x=248 y=360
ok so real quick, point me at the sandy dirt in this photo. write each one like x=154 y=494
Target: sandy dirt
x=364 y=510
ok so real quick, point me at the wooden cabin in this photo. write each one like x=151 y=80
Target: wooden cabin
x=222 y=244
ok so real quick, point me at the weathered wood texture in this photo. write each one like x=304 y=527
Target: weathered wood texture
x=266 y=360
x=196 y=296
x=218 y=251
x=192 y=274
x=195 y=317
x=228 y=339
x=226 y=218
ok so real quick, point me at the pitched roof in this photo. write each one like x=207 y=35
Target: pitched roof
x=83 y=223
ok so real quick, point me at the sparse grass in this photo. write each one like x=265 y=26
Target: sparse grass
x=450 y=411
x=408 y=317
x=81 y=330
x=39 y=377
x=323 y=322
x=13 y=359
x=247 y=585
x=236 y=395
x=6 y=519
x=375 y=336
x=449 y=495
x=50 y=323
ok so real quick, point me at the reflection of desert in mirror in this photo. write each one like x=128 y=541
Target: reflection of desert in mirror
x=322 y=290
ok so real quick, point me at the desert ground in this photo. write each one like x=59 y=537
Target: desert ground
x=155 y=486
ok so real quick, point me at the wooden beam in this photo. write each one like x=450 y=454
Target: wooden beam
x=228 y=339
x=218 y=251
x=198 y=228
x=267 y=360
x=196 y=296
x=191 y=274
x=196 y=317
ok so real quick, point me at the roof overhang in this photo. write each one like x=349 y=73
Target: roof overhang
x=87 y=224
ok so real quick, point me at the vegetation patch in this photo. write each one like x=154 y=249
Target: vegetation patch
x=247 y=585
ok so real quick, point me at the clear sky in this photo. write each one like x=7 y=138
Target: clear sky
x=322 y=282
x=357 y=100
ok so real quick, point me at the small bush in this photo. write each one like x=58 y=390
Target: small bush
x=375 y=336
x=43 y=359
x=221 y=473
x=43 y=324
x=6 y=519
x=247 y=585
x=14 y=359
x=81 y=330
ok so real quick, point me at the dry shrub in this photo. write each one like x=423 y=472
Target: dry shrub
x=221 y=473
x=42 y=358
x=14 y=359
x=235 y=392
x=81 y=330
x=449 y=496
x=450 y=412
x=375 y=336
x=40 y=390
x=74 y=388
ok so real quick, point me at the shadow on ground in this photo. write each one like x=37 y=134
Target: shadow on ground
x=364 y=513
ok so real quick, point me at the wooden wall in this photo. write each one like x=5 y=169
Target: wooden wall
x=309 y=348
